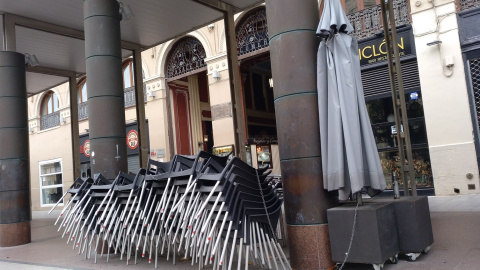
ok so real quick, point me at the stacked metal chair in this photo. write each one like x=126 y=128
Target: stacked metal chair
x=207 y=208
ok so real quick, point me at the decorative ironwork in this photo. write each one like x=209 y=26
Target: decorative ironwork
x=129 y=95
x=83 y=110
x=469 y=4
x=187 y=55
x=367 y=22
x=50 y=120
x=252 y=32
x=475 y=76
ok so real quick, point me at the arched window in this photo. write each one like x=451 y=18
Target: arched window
x=49 y=103
x=252 y=32
x=128 y=79
x=49 y=111
x=82 y=99
x=82 y=91
x=186 y=55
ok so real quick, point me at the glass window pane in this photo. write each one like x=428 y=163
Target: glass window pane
x=55 y=102
x=380 y=110
x=51 y=195
x=49 y=104
x=414 y=104
x=383 y=136
x=126 y=77
x=418 y=132
x=263 y=156
x=50 y=180
x=54 y=167
x=391 y=162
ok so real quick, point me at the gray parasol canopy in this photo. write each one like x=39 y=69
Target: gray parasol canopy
x=350 y=158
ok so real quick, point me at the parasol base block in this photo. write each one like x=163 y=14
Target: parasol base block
x=375 y=238
x=414 y=225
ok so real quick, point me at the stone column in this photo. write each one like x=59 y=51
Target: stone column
x=293 y=47
x=195 y=114
x=14 y=156
x=106 y=107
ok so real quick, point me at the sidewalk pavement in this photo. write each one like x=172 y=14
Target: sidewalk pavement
x=455 y=222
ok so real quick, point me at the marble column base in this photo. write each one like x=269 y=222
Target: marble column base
x=309 y=247
x=15 y=234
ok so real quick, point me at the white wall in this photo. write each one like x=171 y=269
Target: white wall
x=445 y=97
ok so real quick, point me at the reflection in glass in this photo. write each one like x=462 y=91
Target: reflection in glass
x=51 y=195
x=421 y=165
x=55 y=167
x=263 y=157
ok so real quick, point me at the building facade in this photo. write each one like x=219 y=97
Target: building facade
x=188 y=103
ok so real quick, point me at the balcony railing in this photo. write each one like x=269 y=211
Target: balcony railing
x=50 y=120
x=367 y=22
x=82 y=111
x=469 y=4
x=129 y=95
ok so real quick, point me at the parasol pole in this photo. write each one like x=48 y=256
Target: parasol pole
x=398 y=98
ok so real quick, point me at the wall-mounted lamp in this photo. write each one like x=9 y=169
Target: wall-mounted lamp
x=125 y=11
x=63 y=120
x=151 y=93
x=31 y=60
x=30 y=129
x=270 y=82
x=216 y=75
x=205 y=140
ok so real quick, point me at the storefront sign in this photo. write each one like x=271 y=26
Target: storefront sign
x=132 y=139
x=262 y=141
x=374 y=51
x=86 y=148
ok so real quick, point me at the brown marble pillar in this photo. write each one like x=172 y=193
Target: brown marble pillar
x=14 y=156
x=293 y=47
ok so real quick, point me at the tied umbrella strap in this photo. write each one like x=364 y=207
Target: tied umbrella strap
x=351 y=237
x=265 y=206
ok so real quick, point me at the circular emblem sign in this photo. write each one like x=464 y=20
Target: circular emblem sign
x=132 y=139
x=86 y=148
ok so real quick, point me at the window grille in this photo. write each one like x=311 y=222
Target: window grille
x=475 y=76
x=83 y=110
x=252 y=32
x=367 y=22
x=187 y=55
x=469 y=4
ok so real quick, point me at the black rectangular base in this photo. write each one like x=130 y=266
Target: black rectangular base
x=375 y=239
x=414 y=226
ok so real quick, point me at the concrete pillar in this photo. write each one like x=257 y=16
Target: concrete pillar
x=74 y=130
x=235 y=83
x=106 y=106
x=14 y=157
x=293 y=47
x=144 y=150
